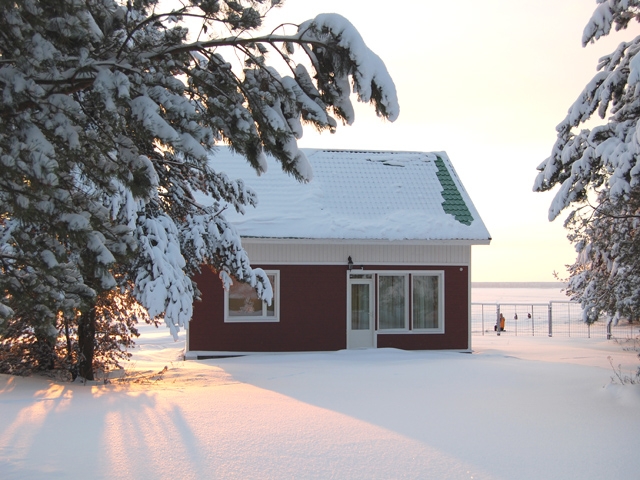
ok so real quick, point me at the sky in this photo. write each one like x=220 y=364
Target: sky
x=487 y=82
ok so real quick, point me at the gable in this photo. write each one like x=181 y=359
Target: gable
x=357 y=195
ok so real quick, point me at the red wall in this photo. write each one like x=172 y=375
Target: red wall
x=313 y=309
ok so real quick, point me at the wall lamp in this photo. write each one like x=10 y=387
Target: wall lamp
x=350 y=264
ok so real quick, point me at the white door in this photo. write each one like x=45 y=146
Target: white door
x=360 y=321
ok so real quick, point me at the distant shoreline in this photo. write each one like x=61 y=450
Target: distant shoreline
x=558 y=285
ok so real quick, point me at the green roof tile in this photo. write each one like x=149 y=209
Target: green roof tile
x=453 y=203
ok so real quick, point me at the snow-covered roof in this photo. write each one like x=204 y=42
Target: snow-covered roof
x=360 y=195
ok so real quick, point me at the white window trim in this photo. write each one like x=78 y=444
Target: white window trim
x=409 y=274
x=440 y=275
x=257 y=319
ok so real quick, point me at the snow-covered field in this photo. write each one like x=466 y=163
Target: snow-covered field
x=517 y=408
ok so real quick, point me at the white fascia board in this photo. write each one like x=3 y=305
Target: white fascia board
x=358 y=241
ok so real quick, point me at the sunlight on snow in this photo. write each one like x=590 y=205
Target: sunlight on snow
x=224 y=434
x=22 y=432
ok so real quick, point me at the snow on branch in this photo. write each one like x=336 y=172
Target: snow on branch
x=372 y=81
x=607 y=154
x=607 y=13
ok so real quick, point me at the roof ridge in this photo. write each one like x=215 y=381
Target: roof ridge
x=392 y=152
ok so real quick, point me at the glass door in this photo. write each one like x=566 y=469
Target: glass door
x=360 y=308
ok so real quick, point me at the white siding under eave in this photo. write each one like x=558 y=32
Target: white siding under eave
x=291 y=253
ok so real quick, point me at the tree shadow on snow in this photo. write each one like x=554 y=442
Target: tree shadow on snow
x=51 y=430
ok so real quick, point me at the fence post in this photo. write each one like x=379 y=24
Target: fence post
x=483 y=319
x=533 y=322
x=609 y=329
x=498 y=319
x=550 y=314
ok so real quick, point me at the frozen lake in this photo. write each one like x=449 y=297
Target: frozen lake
x=517 y=295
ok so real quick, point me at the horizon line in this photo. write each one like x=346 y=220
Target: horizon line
x=519 y=284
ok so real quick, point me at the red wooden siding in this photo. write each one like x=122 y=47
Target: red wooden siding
x=313 y=309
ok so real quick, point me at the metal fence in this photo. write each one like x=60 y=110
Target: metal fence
x=543 y=319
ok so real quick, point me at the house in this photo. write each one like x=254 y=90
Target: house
x=374 y=252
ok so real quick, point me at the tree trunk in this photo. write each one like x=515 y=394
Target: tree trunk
x=86 y=343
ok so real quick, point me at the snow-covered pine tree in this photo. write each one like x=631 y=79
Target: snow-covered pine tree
x=598 y=171
x=605 y=276
x=109 y=116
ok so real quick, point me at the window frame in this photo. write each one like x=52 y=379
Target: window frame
x=257 y=318
x=405 y=328
x=439 y=274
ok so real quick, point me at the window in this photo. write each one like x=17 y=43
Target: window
x=411 y=301
x=392 y=301
x=243 y=305
x=365 y=276
x=425 y=302
x=360 y=306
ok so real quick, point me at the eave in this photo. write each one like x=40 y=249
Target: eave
x=361 y=241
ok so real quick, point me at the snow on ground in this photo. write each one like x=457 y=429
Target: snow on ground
x=517 y=408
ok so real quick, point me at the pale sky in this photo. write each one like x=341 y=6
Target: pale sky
x=487 y=82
